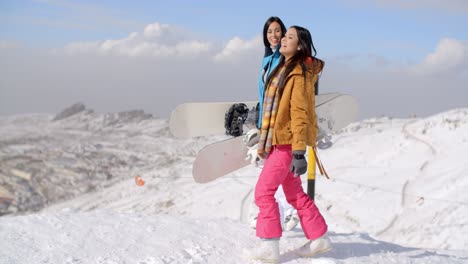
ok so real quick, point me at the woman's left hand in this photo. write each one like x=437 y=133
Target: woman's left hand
x=299 y=163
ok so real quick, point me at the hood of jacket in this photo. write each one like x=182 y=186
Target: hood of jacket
x=315 y=65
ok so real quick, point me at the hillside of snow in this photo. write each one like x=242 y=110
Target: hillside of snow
x=68 y=193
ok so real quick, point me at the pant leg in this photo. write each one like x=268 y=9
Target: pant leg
x=312 y=222
x=272 y=175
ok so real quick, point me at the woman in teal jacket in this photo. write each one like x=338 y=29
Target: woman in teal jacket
x=273 y=31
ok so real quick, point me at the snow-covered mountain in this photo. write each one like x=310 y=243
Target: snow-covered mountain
x=45 y=160
x=68 y=193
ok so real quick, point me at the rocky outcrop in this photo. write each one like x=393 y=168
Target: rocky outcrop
x=70 y=111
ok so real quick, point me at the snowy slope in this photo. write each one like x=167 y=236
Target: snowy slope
x=111 y=237
x=396 y=193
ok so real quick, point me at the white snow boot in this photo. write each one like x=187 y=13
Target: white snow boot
x=266 y=251
x=314 y=247
x=253 y=223
x=290 y=222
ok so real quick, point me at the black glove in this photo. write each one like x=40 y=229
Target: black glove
x=299 y=163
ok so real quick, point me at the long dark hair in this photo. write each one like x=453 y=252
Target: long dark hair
x=306 y=46
x=270 y=20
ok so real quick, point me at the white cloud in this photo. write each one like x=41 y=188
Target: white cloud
x=237 y=46
x=163 y=40
x=451 y=55
x=155 y=30
x=157 y=40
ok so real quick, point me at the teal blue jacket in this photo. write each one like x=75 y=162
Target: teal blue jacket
x=268 y=65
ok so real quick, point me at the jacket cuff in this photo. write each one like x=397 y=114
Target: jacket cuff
x=299 y=146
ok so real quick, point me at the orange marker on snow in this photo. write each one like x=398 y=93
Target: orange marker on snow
x=139 y=181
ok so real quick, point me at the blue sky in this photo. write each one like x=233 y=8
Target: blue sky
x=337 y=26
x=367 y=36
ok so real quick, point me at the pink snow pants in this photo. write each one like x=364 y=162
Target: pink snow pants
x=275 y=172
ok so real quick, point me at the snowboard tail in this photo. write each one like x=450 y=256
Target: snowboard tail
x=200 y=119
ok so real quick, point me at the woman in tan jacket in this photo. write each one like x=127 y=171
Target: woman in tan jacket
x=289 y=125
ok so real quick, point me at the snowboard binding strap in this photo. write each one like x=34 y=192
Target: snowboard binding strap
x=234 y=119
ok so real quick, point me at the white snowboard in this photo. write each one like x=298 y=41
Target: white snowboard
x=219 y=159
x=204 y=119
x=334 y=112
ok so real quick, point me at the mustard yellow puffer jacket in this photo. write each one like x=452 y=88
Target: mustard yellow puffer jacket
x=296 y=122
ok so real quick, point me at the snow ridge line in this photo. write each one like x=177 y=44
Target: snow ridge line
x=403 y=200
x=423 y=167
x=407 y=134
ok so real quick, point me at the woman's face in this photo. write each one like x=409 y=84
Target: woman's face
x=274 y=34
x=289 y=43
